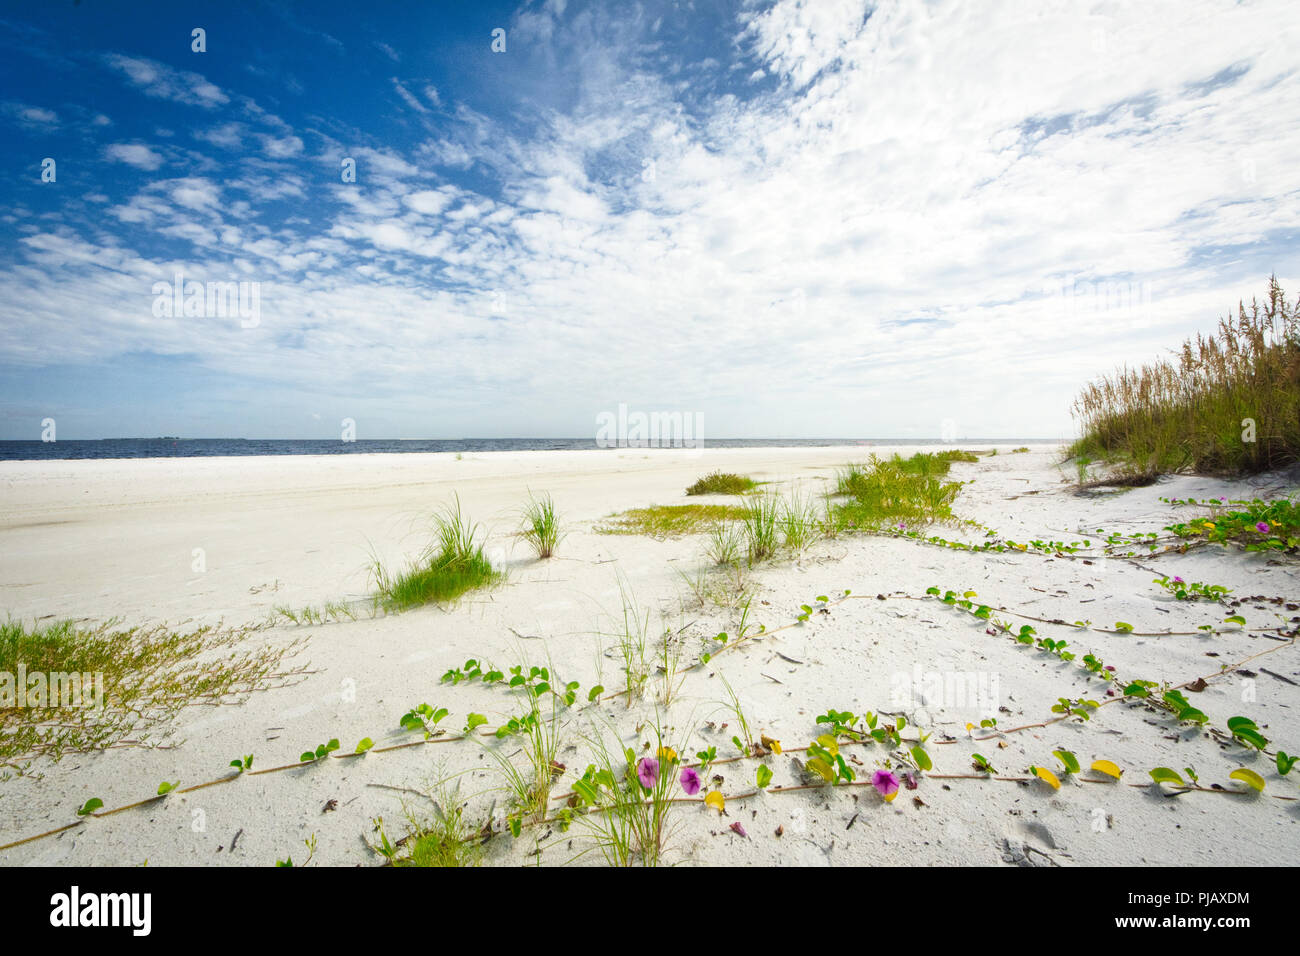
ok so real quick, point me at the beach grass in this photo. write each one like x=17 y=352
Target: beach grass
x=665 y=521
x=453 y=564
x=890 y=491
x=722 y=483
x=1226 y=404
x=541 y=526
x=148 y=675
x=758 y=524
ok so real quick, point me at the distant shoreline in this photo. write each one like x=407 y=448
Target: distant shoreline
x=130 y=448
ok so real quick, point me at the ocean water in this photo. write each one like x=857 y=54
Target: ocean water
x=215 y=447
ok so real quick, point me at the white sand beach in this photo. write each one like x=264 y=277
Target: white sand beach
x=93 y=540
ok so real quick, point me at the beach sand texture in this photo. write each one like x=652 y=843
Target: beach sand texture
x=101 y=539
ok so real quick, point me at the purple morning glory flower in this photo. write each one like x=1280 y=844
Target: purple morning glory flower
x=886 y=783
x=737 y=828
x=1262 y=527
x=647 y=771
x=690 y=781
x=1179 y=581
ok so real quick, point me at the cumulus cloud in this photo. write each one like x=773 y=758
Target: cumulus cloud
x=134 y=154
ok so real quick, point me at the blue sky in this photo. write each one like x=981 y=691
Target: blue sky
x=799 y=219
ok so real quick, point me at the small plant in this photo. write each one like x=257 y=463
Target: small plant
x=310 y=843
x=799 y=523
x=425 y=719
x=744 y=741
x=721 y=483
x=981 y=763
x=724 y=543
x=541 y=527
x=759 y=525
x=321 y=752
x=450 y=566
x=1190 y=591
x=243 y=764
x=629 y=805
x=633 y=640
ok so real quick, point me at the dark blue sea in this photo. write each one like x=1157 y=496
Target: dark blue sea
x=218 y=447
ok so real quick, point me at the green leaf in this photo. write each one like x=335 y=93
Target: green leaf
x=763 y=776
x=363 y=745
x=1235 y=619
x=474 y=720
x=820 y=767
x=1248 y=777
x=165 y=788
x=1252 y=737
x=93 y=804
x=922 y=758
x=1165 y=775
x=1069 y=760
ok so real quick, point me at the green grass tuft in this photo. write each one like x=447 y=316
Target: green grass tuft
x=452 y=565
x=722 y=483
x=889 y=491
x=541 y=526
x=663 y=521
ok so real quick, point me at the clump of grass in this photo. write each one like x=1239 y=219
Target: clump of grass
x=450 y=566
x=664 y=521
x=149 y=675
x=722 y=483
x=724 y=543
x=886 y=491
x=1227 y=404
x=633 y=639
x=541 y=527
x=1020 y=451
x=759 y=525
x=530 y=784
x=799 y=522
x=444 y=838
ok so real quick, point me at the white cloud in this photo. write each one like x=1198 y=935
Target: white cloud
x=163 y=82
x=133 y=154
x=906 y=220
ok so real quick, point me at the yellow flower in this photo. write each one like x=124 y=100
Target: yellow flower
x=770 y=744
x=667 y=753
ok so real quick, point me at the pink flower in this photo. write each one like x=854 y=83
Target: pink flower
x=690 y=781
x=647 y=771
x=737 y=828
x=1262 y=527
x=886 y=783
x=1179 y=581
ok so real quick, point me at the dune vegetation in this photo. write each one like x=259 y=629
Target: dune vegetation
x=1226 y=404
